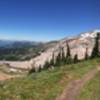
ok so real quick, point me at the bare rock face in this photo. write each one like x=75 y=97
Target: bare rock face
x=78 y=45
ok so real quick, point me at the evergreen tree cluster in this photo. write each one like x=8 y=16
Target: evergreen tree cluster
x=96 y=49
x=63 y=58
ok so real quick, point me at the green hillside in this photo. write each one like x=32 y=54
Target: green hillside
x=48 y=84
x=92 y=90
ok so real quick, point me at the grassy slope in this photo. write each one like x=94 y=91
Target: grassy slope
x=92 y=90
x=45 y=85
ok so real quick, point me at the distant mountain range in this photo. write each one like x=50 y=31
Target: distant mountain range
x=42 y=52
x=22 y=50
x=17 y=44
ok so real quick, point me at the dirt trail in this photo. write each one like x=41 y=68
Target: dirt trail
x=73 y=89
x=4 y=76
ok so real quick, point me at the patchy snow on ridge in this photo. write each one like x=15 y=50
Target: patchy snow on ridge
x=78 y=45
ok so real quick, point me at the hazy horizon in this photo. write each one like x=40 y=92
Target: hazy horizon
x=46 y=20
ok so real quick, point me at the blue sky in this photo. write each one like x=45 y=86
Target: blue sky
x=44 y=20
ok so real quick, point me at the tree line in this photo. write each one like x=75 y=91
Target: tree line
x=62 y=58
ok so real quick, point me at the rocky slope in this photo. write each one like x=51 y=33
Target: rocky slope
x=78 y=45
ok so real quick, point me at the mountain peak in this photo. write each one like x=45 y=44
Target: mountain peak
x=91 y=34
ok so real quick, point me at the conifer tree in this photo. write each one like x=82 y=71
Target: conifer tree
x=46 y=65
x=58 y=59
x=52 y=61
x=68 y=51
x=95 y=51
x=68 y=55
x=32 y=70
x=63 y=56
x=75 y=58
x=86 y=54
